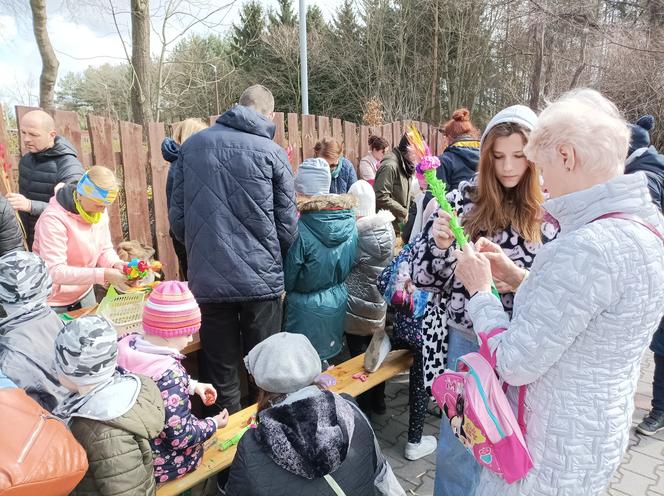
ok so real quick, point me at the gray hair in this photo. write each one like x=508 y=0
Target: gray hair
x=259 y=98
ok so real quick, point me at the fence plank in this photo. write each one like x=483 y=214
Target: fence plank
x=134 y=160
x=280 y=131
x=387 y=133
x=424 y=130
x=156 y=134
x=396 y=133
x=441 y=142
x=67 y=126
x=309 y=136
x=337 y=130
x=351 y=146
x=20 y=112
x=101 y=142
x=6 y=159
x=324 y=130
x=365 y=131
x=294 y=141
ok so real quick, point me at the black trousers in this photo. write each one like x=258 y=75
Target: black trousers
x=181 y=253
x=228 y=332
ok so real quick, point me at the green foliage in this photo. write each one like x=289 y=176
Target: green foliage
x=246 y=34
x=284 y=16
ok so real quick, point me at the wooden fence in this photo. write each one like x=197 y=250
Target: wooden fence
x=141 y=214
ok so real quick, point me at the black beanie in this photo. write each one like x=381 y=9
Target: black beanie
x=640 y=133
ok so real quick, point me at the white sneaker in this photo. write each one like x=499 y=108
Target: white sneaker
x=415 y=451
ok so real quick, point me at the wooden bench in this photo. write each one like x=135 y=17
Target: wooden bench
x=215 y=460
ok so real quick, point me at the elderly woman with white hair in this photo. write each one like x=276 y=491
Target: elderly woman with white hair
x=586 y=313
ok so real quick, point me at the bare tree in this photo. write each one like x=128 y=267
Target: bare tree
x=50 y=64
x=141 y=104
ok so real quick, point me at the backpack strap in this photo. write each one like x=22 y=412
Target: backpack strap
x=333 y=484
x=631 y=217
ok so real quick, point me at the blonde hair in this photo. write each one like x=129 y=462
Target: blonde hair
x=103 y=177
x=134 y=249
x=590 y=124
x=186 y=128
x=328 y=149
x=259 y=98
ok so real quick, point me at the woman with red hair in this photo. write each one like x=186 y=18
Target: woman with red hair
x=459 y=160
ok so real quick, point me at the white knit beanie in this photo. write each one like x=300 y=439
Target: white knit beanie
x=366 y=198
x=518 y=114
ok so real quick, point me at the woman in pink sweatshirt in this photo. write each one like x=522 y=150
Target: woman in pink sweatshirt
x=73 y=238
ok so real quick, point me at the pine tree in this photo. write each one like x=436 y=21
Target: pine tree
x=246 y=35
x=284 y=16
x=315 y=19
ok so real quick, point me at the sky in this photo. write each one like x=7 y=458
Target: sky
x=83 y=34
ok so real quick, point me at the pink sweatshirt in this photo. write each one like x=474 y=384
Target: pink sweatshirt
x=76 y=252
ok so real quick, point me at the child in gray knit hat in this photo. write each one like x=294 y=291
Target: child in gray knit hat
x=112 y=416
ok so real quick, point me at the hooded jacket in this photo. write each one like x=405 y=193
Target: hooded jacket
x=170 y=150
x=234 y=201
x=650 y=161
x=75 y=251
x=310 y=434
x=392 y=186
x=315 y=271
x=366 y=309
x=343 y=177
x=118 y=446
x=11 y=238
x=459 y=162
x=179 y=447
x=39 y=173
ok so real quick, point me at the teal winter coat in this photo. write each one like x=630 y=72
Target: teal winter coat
x=315 y=271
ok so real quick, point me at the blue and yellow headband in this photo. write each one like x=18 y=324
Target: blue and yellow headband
x=87 y=189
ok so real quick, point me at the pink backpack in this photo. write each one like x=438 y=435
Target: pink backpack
x=474 y=402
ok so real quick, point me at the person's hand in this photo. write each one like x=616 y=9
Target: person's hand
x=506 y=274
x=19 y=202
x=473 y=269
x=117 y=278
x=221 y=419
x=206 y=392
x=442 y=234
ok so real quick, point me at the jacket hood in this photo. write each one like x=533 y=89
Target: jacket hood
x=470 y=156
x=648 y=161
x=65 y=197
x=329 y=217
x=60 y=148
x=139 y=356
x=248 y=120
x=309 y=433
x=376 y=234
x=170 y=150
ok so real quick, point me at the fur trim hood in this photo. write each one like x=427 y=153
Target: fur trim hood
x=309 y=436
x=325 y=202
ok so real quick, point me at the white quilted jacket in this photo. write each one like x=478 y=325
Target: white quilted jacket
x=580 y=325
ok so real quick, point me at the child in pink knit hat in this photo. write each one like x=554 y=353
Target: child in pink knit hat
x=170 y=318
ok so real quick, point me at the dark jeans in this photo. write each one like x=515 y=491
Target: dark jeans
x=181 y=253
x=356 y=346
x=228 y=332
x=658 y=384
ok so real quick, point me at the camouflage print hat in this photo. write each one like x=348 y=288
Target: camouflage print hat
x=86 y=350
x=23 y=278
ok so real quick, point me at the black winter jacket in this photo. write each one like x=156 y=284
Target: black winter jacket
x=233 y=205
x=297 y=443
x=459 y=163
x=38 y=173
x=11 y=238
x=652 y=163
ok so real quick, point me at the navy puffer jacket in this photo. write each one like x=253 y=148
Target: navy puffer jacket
x=234 y=197
x=459 y=162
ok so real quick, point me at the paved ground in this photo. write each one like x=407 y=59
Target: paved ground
x=641 y=473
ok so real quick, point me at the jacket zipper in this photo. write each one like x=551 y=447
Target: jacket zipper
x=33 y=437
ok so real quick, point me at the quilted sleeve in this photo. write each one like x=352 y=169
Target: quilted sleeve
x=570 y=283
x=285 y=209
x=176 y=210
x=11 y=238
x=293 y=264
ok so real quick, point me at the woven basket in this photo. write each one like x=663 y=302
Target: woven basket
x=123 y=311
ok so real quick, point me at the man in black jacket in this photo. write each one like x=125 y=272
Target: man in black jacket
x=233 y=206
x=50 y=160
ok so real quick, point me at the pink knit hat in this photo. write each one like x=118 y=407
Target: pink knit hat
x=171 y=311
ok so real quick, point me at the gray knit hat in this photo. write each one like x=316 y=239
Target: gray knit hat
x=313 y=177
x=517 y=114
x=86 y=350
x=23 y=278
x=283 y=363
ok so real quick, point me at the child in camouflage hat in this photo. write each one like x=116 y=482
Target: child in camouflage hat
x=112 y=416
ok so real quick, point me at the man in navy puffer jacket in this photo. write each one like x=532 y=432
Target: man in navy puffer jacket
x=233 y=205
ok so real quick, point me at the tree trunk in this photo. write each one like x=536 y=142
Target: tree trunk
x=435 y=106
x=582 y=61
x=536 y=80
x=49 y=73
x=141 y=104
